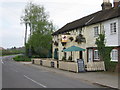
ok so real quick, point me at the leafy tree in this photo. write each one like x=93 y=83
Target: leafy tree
x=40 y=29
x=104 y=52
x=100 y=42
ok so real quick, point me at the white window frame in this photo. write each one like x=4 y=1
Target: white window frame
x=113 y=28
x=96 y=56
x=90 y=55
x=114 y=55
x=96 y=31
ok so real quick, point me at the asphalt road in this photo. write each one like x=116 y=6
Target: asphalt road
x=17 y=75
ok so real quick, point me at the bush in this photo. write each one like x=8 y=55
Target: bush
x=111 y=66
x=22 y=58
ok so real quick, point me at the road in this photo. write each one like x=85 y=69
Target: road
x=18 y=75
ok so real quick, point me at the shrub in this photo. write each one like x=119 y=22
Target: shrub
x=21 y=58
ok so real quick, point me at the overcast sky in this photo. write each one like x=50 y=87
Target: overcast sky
x=60 y=12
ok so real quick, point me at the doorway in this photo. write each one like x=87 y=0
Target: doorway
x=56 y=54
x=81 y=55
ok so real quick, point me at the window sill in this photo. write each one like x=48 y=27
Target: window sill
x=114 y=60
x=96 y=36
x=113 y=33
x=96 y=60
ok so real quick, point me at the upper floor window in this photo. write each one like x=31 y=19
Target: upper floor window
x=113 y=28
x=114 y=55
x=96 y=31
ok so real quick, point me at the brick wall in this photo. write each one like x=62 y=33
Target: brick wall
x=119 y=59
x=119 y=67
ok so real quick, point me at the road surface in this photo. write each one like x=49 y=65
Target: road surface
x=17 y=75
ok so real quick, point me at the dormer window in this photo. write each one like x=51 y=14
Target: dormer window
x=96 y=31
x=113 y=28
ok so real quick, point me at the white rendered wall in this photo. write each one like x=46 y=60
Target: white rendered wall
x=111 y=39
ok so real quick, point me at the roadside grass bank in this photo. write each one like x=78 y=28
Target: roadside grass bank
x=22 y=58
x=11 y=51
x=8 y=55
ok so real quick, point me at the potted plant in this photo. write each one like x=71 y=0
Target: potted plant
x=70 y=58
x=63 y=58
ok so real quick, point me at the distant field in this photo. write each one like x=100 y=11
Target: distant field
x=11 y=51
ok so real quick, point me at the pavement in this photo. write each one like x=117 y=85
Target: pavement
x=105 y=79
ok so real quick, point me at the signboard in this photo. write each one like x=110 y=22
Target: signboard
x=81 y=67
x=64 y=38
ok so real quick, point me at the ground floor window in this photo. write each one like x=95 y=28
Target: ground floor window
x=93 y=55
x=114 y=55
x=96 y=55
x=90 y=55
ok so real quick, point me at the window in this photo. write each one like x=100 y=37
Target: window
x=96 y=55
x=114 y=55
x=113 y=28
x=96 y=31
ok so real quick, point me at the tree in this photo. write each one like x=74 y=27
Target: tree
x=40 y=28
x=104 y=52
x=100 y=42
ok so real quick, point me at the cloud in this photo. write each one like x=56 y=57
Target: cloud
x=61 y=12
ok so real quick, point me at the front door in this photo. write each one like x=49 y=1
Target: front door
x=90 y=55
x=81 y=55
x=56 y=53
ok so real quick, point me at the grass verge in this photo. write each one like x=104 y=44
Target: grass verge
x=21 y=58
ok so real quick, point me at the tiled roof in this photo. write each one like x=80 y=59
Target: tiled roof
x=97 y=17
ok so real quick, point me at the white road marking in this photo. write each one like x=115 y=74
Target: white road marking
x=35 y=81
x=2 y=61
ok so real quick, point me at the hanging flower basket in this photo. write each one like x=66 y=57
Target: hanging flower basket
x=56 y=43
x=71 y=38
x=80 y=39
x=63 y=43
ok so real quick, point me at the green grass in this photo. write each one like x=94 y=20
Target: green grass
x=21 y=58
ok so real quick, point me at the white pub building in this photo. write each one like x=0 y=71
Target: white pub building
x=83 y=33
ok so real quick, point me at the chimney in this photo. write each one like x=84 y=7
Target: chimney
x=116 y=3
x=106 y=5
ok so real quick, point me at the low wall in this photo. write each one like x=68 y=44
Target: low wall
x=46 y=62
x=94 y=66
x=35 y=61
x=70 y=66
